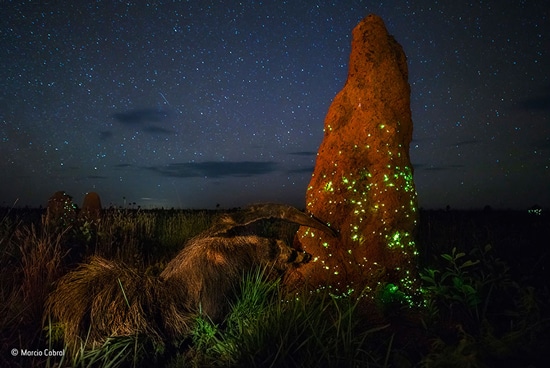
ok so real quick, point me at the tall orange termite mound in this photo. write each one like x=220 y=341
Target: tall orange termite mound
x=362 y=184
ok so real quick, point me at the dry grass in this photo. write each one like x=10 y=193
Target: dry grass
x=31 y=262
x=139 y=237
x=41 y=254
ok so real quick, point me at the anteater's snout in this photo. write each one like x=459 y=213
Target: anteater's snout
x=306 y=257
x=299 y=257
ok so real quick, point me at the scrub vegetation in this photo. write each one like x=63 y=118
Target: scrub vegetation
x=484 y=281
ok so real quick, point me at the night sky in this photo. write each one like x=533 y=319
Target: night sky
x=197 y=103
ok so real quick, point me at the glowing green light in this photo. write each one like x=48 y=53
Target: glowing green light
x=535 y=211
x=345 y=294
x=329 y=187
x=398 y=240
x=364 y=197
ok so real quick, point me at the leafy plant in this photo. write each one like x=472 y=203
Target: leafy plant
x=456 y=285
x=473 y=298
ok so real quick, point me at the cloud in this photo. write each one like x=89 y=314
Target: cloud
x=215 y=169
x=541 y=102
x=431 y=168
x=303 y=153
x=140 y=116
x=536 y=103
x=151 y=129
x=300 y=170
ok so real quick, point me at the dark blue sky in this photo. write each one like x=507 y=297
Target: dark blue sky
x=191 y=104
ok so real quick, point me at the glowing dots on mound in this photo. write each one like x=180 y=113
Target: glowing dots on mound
x=400 y=240
x=362 y=182
x=329 y=187
x=365 y=194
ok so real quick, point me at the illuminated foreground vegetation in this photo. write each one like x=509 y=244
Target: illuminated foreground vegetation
x=484 y=279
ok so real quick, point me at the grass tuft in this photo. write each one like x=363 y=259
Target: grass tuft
x=265 y=329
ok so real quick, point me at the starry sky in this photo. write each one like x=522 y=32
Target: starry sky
x=199 y=103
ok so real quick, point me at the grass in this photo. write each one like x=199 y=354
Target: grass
x=268 y=329
x=483 y=273
x=140 y=237
x=31 y=259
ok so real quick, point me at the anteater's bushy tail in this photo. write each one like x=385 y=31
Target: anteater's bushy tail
x=103 y=298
